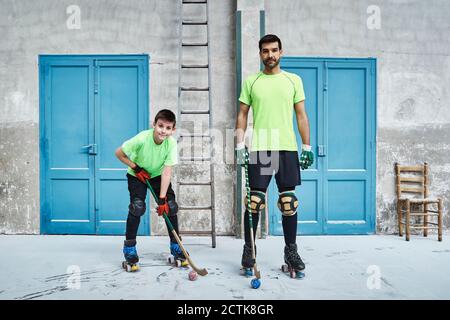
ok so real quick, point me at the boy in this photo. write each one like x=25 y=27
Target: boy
x=150 y=156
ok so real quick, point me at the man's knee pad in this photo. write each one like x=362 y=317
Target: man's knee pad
x=288 y=203
x=173 y=207
x=137 y=207
x=257 y=201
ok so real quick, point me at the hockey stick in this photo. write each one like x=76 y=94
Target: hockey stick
x=202 y=272
x=250 y=220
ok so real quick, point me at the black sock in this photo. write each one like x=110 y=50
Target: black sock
x=132 y=226
x=255 y=220
x=290 y=228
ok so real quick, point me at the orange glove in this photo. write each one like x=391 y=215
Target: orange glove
x=141 y=174
x=163 y=206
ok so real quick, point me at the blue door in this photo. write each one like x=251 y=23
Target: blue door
x=337 y=194
x=89 y=105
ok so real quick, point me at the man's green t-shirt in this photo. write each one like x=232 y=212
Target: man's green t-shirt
x=272 y=98
x=142 y=150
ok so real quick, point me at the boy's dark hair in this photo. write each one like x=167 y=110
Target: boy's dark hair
x=269 y=38
x=166 y=115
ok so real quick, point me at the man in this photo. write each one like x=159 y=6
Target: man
x=273 y=95
x=150 y=155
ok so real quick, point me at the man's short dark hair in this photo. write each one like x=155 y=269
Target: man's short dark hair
x=166 y=115
x=269 y=38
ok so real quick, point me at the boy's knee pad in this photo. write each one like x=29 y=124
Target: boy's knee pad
x=137 y=207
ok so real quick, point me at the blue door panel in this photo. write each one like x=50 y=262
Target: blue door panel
x=68 y=196
x=70 y=200
x=346 y=201
x=118 y=108
x=69 y=104
x=120 y=116
x=349 y=130
x=86 y=112
x=337 y=194
x=346 y=119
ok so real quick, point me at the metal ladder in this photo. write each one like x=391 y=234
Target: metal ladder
x=181 y=111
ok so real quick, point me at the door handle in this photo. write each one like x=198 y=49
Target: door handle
x=92 y=148
x=321 y=151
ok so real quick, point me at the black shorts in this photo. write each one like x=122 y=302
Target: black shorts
x=138 y=189
x=263 y=164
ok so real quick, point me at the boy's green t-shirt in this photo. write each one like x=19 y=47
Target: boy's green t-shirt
x=272 y=99
x=142 y=150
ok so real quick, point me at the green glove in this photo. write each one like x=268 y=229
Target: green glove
x=241 y=153
x=307 y=157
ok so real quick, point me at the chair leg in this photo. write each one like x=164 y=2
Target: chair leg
x=399 y=217
x=425 y=219
x=407 y=222
x=440 y=220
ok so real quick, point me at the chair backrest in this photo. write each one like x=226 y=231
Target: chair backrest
x=411 y=181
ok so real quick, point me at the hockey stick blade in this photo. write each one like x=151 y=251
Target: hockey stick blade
x=202 y=272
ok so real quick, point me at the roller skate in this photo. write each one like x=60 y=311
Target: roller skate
x=294 y=264
x=178 y=259
x=131 y=257
x=247 y=261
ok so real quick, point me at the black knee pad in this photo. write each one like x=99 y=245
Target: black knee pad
x=137 y=207
x=173 y=207
x=257 y=201
x=287 y=203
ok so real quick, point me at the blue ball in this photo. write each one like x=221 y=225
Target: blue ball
x=255 y=283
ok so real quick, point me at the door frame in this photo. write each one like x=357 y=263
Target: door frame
x=291 y=61
x=43 y=61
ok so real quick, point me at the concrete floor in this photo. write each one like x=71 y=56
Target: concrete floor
x=337 y=267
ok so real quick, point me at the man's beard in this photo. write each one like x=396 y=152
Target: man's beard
x=268 y=62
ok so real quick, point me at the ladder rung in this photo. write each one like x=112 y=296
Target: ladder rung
x=194 y=183
x=194 y=66
x=196 y=232
x=195 y=159
x=195 y=207
x=194 y=44
x=194 y=111
x=194 y=89
x=421 y=227
x=194 y=2
x=412 y=179
x=194 y=23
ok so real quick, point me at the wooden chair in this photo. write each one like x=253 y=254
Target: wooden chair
x=412 y=194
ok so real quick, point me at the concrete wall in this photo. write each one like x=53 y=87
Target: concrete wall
x=30 y=28
x=412 y=47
